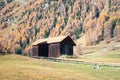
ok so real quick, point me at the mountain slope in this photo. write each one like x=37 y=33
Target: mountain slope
x=87 y=21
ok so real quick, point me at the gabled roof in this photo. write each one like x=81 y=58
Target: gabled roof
x=50 y=40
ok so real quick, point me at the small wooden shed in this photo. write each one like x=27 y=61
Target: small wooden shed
x=53 y=47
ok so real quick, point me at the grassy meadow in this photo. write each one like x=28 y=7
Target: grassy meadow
x=108 y=53
x=16 y=67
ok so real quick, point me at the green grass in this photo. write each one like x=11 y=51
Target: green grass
x=16 y=67
x=101 y=53
x=112 y=54
x=109 y=56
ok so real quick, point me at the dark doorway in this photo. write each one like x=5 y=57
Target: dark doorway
x=43 y=50
x=66 y=49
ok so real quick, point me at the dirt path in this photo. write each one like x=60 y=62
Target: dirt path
x=78 y=61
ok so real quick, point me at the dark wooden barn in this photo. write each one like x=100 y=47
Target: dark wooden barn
x=53 y=47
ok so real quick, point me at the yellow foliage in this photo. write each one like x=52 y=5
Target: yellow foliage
x=118 y=32
x=18 y=36
x=103 y=14
x=23 y=38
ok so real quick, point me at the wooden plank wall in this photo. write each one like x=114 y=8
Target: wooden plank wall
x=54 y=50
x=35 y=50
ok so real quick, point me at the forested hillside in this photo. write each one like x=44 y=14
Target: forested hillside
x=88 y=22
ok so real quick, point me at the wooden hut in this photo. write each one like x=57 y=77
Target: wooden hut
x=53 y=47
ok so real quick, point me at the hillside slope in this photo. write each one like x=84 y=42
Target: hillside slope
x=87 y=21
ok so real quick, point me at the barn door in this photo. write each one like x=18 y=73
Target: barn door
x=54 y=50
